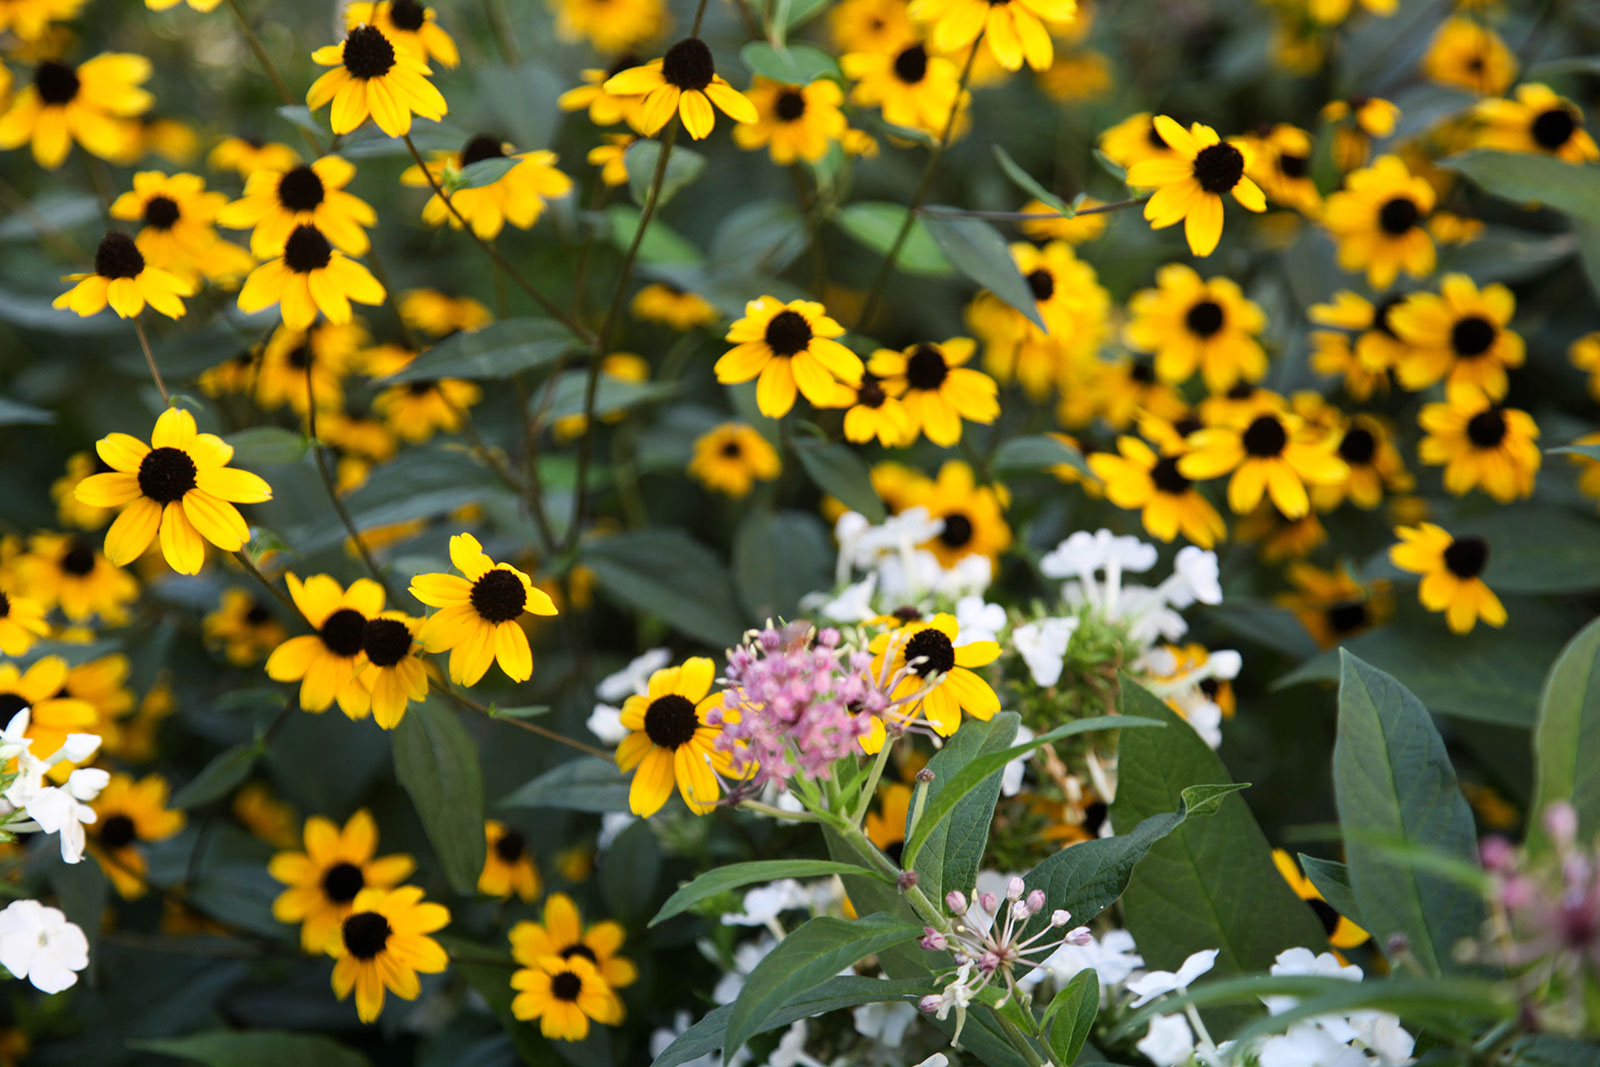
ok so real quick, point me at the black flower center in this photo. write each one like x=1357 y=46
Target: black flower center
x=1325 y=915
x=57 y=83
x=78 y=559
x=1143 y=372
x=688 y=65
x=1358 y=447
x=788 y=333
x=365 y=934
x=385 y=641
x=479 y=148
x=498 y=596
x=790 y=106
x=422 y=387
x=1204 y=319
x=907 y=613
x=1042 y=283
x=10 y=703
x=1487 y=428
x=1210 y=687
x=930 y=652
x=510 y=847
x=1094 y=817
x=300 y=189
x=1380 y=316
x=342 y=631
x=1347 y=617
x=306 y=250
x=300 y=356
x=1265 y=437
x=407 y=14
x=626 y=61
x=1166 y=477
x=118 y=257
x=1472 y=336
x=731 y=449
x=670 y=721
x=578 y=949
x=566 y=986
x=911 y=65
x=926 y=369
x=1467 y=556
x=1398 y=216
x=1553 y=128
x=117 y=832
x=1240 y=391
x=957 y=532
x=258 y=614
x=165 y=474
x=1185 y=426
x=342 y=881
x=368 y=53
x=1293 y=166
x=1218 y=168
x=161 y=212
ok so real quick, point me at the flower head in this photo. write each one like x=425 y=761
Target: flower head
x=1190 y=186
x=39 y=944
x=683 y=82
x=1480 y=444
x=91 y=104
x=371 y=77
x=123 y=279
x=477 y=620
x=309 y=275
x=325 y=880
x=673 y=740
x=1451 y=570
x=383 y=944
x=730 y=458
x=789 y=346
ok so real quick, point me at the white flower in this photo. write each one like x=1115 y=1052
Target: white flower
x=1084 y=553
x=612 y=823
x=885 y=1023
x=1168 y=1042
x=1159 y=983
x=745 y=957
x=1306 y=1044
x=1383 y=1034
x=938 y=1059
x=763 y=905
x=1204 y=716
x=1011 y=775
x=13 y=741
x=39 y=944
x=1043 y=647
x=853 y=604
x=634 y=679
x=971 y=574
x=791 y=1050
x=979 y=620
x=1113 y=957
x=1194 y=578
x=29 y=782
x=605 y=722
x=65 y=809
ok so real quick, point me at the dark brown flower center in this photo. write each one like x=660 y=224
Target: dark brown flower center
x=300 y=189
x=1265 y=437
x=1347 y=617
x=1487 y=428
x=1166 y=477
x=1042 y=283
x=1399 y=216
x=385 y=641
x=1554 y=128
x=1292 y=166
x=1380 y=316
x=911 y=65
x=871 y=394
x=407 y=14
x=10 y=703
x=510 y=846
x=926 y=368
x=117 y=832
x=78 y=558
x=165 y=474
x=368 y=53
x=566 y=986
x=498 y=596
x=118 y=257
x=1358 y=447
x=1325 y=915
x=258 y=614
x=1142 y=371
x=930 y=652
x=1467 y=556
x=1472 y=336
x=161 y=212
x=790 y=106
x=687 y=65
x=1204 y=319
x=670 y=721
x=578 y=949
x=366 y=934
x=342 y=881
x=957 y=532
x=306 y=250
x=1218 y=167
x=731 y=449
x=341 y=632
x=481 y=147
x=788 y=333
x=57 y=83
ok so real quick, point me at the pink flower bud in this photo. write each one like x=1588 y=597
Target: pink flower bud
x=1079 y=936
x=1561 y=822
x=956 y=901
x=1496 y=853
x=930 y=1004
x=989 y=902
x=988 y=963
x=1019 y=910
x=933 y=940
x=1036 y=901
x=1015 y=888
x=1060 y=917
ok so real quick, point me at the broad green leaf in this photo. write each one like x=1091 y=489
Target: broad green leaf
x=16 y=413
x=756 y=239
x=218 y=778
x=267 y=446
x=1036 y=452
x=978 y=251
x=876 y=224
x=629 y=870
x=1587 y=234
x=800 y=12
x=795 y=64
x=1332 y=880
x=779 y=558
x=1534 y=549
x=1525 y=178
x=661 y=244
x=437 y=763
x=485 y=172
x=722 y=879
x=1553 y=1050
x=301 y=116
x=584 y=784
x=683 y=166
x=1026 y=182
x=1392 y=777
x=488 y=980
x=813 y=953
x=54 y=211
x=499 y=350
x=836 y=469
x=666 y=573
x=954 y=847
x=1566 y=736
x=1588 y=451
x=570 y=392
x=253 y=1048
x=1070 y=1016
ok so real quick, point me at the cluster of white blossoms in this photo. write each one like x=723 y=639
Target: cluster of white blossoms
x=882 y=565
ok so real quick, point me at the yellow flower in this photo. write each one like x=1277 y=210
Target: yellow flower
x=29 y=20
x=731 y=457
x=246 y=155
x=1013 y=30
x=198 y=5
x=562 y=933
x=1075 y=308
x=793 y=122
x=974 y=516
x=180 y=484
x=480 y=609
x=1584 y=353
x=265 y=816
x=1333 y=12
x=1342 y=933
x=1134 y=140
x=605 y=109
x=1459 y=335
x=876 y=414
x=1077 y=77
x=90 y=104
x=299 y=364
x=326 y=878
x=1450 y=569
x=670 y=741
x=22 y=622
x=682 y=82
x=1282 y=167
x=310 y=275
x=1377 y=221
x=1468 y=54
x=609 y=26
x=869 y=25
x=1268 y=451
x=1358 y=120
x=518 y=196
x=508 y=865
x=393 y=673
x=410 y=26
x=440 y=314
x=936 y=389
x=383 y=943
x=1536 y=121
x=128 y=813
x=416 y=410
x=935 y=677
x=70 y=572
x=1052 y=225
x=275 y=202
x=913 y=88
x=179 y=232
x=53 y=714
x=1480 y=444
x=789 y=345
x=1367 y=448
x=612 y=158
x=328 y=664
x=1332 y=605
x=244 y=626
x=68 y=508
x=371 y=77
x=1365 y=360
x=669 y=305
x=1197 y=325
x=564 y=995
x=1190 y=186
x=123 y=279
x=1135 y=477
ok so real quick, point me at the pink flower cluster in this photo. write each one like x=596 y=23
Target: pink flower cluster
x=795 y=703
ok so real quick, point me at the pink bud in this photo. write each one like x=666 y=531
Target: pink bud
x=933 y=940
x=1019 y=910
x=1561 y=822
x=1036 y=901
x=956 y=901
x=930 y=1003
x=1079 y=936
x=989 y=902
x=988 y=962
x=1015 y=888
x=1060 y=917
x=1496 y=853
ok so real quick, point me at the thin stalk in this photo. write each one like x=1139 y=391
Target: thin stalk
x=871 y=788
x=150 y=361
x=1025 y=216
x=266 y=583
x=1019 y=1040
x=333 y=490
x=522 y=724
x=272 y=72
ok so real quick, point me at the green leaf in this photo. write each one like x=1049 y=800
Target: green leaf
x=1070 y=1016
x=1526 y=178
x=1025 y=181
x=848 y=991
x=499 y=350
x=954 y=848
x=629 y=870
x=722 y=879
x=585 y=784
x=813 y=953
x=218 y=778
x=1534 y=549
x=1332 y=880
x=683 y=166
x=53 y=212
x=531 y=711
x=486 y=172
x=15 y=413
x=667 y=573
x=796 y=64
x=611 y=395
x=978 y=251
x=1566 y=737
x=1392 y=777
x=253 y=1048
x=837 y=469
x=1552 y=1050
x=779 y=558
x=981 y=767
x=1448 y=1001
x=1110 y=166
x=1212 y=882
x=876 y=224
x=437 y=763
x=1587 y=235
x=1588 y=451
x=301 y=116
x=1037 y=452
x=268 y=446
x=661 y=244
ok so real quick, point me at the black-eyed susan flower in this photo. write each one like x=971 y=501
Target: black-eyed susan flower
x=1480 y=444
x=178 y=227
x=1189 y=187
x=683 y=82
x=90 y=104
x=246 y=155
x=671 y=306
x=1341 y=931
x=269 y=818
x=1332 y=605
x=869 y=25
x=393 y=673
x=518 y=196
x=244 y=627
x=1134 y=140
x=912 y=87
x=561 y=932
x=1069 y=299
x=1459 y=335
x=309 y=276
x=937 y=389
x=275 y=202
x=605 y=109
x=22 y=620
x=1366 y=444
x=124 y=280
x=479 y=609
x=409 y=25
x=1359 y=120
x=1012 y=30
x=69 y=509
x=885 y=825
x=1451 y=569
x=1198 y=325
x=1281 y=165
x=938 y=682
x=1363 y=348
x=1377 y=220
x=69 y=572
x=793 y=122
x=1584 y=354
x=670 y=742
x=973 y=515
x=129 y=813
x=325 y=879
x=53 y=714
x=29 y=20
x=789 y=346
x=1267 y=451
x=383 y=944
x=328 y=664
x=1136 y=478
x=508 y=865
x=564 y=995
x=1537 y=121
x=371 y=77
x=610 y=26
x=1052 y=225
x=876 y=414
x=1466 y=53
x=1120 y=392
x=416 y=410
x=440 y=314
x=612 y=158
x=731 y=457
x=180 y=485
x=298 y=365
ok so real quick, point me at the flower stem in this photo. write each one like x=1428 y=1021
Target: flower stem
x=469 y=704
x=871 y=788
x=1019 y=1040
x=150 y=361
x=272 y=72
x=326 y=474
x=1025 y=216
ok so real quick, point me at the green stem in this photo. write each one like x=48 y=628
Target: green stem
x=272 y=72
x=150 y=361
x=321 y=456
x=871 y=788
x=1019 y=1040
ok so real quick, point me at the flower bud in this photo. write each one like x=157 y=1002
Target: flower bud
x=1496 y=853
x=906 y=880
x=933 y=940
x=1036 y=901
x=956 y=901
x=1080 y=936
x=1015 y=888
x=1561 y=822
x=1060 y=917
x=930 y=1003
x=1019 y=910
x=989 y=902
